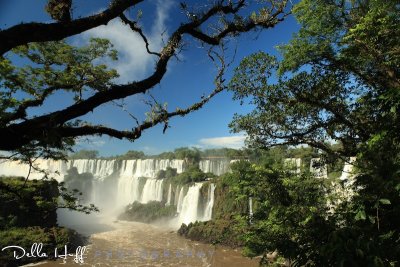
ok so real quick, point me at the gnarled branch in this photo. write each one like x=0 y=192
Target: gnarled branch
x=41 y=32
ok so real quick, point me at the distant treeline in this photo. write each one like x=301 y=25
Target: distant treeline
x=194 y=154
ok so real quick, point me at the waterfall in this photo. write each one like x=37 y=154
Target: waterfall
x=169 y=195
x=100 y=168
x=128 y=184
x=210 y=203
x=347 y=172
x=217 y=167
x=189 y=207
x=294 y=164
x=250 y=207
x=129 y=179
x=152 y=191
x=180 y=201
x=55 y=169
x=318 y=169
x=117 y=183
x=176 y=195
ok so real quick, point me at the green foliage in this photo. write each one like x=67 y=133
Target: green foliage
x=192 y=155
x=28 y=215
x=221 y=231
x=55 y=237
x=59 y=9
x=147 y=213
x=85 y=154
x=132 y=154
x=229 y=153
x=47 y=68
x=226 y=227
x=192 y=175
x=34 y=204
x=339 y=80
x=79 y=182
x=289 y=211
x=167 y=173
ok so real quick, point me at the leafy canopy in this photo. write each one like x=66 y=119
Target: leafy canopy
x=338 y=82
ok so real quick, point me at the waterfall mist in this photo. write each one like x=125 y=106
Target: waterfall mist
x=117 y=183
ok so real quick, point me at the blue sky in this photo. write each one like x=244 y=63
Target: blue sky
x=185 y=82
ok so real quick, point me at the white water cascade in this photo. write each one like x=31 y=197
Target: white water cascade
x=180 y=200
x=117 y=183
x=56 y=169
x=129 y=179
x=169 y=195
x=348 y=175
x=216 y=167
x=210 y=203
x=250 y=207
x=347 y=172
x=189 y=208
x=100 y=168
x=190 y=203
x=318 y=169
x=152 y=191
x=294 y=164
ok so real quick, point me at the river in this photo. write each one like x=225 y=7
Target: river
x=123 y=243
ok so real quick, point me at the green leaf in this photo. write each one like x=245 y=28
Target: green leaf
x=360 y=215
x=384 y=201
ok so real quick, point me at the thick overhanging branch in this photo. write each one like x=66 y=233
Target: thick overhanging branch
x=162 y=117
x=137 y=131
x=41 y=127
x=123 y=91
x=41 y=32
x=20 y=113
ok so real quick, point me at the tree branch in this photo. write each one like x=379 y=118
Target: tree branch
x=40 y=127
x=41 y=32
x=139 y=30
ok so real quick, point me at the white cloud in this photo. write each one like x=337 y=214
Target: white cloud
x=236 y=141
x=134 y=61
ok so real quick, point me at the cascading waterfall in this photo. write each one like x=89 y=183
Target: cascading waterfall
x=55 y=169
x=129 y=179
x=169 y=195
x=217 y=167
x=176 y=199
x=347 y=172
x=180 y=200
x=250 y=207
x=294 y=164
x=98 y=167
x=210 y=203
x=189 y=207
x=128 y=184
x=318 y=169
x=347 y=177
x=152 y=191
x=117 y=183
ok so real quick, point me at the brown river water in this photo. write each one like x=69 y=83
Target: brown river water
x=136 y=244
